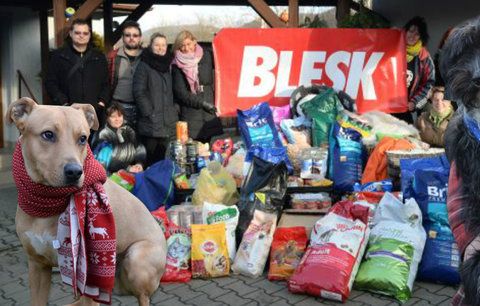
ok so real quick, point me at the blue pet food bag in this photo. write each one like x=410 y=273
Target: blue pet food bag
x=257 y=126
x=346 y=157
x=441 y=257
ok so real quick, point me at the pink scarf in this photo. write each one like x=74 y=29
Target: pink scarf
x=85 y=227
x=188 y=62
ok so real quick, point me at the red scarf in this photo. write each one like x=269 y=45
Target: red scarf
x=86 y=230
x=188 y=62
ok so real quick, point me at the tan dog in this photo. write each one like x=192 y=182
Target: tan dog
x=141 y=247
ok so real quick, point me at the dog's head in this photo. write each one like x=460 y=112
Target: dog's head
x=460 y=64
x=54 y=140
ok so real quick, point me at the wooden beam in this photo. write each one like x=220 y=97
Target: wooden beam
x=84 y=11
x=293 y=13
x=44 y=51
x=108 y=25
x=59 y=7
x=343 y=9
x=266 y=13
x=135 y=16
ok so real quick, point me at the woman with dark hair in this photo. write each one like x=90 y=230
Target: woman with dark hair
x=193 y=84
x=117 y=146
x=152 y=90
x=420 y=67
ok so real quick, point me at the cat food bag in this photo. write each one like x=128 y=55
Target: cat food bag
x=177 y=268
x=288 y=247
x=209 y=251
x=394 y=250
x=160 y=216
x=337 y=244
x=252 y=254
x=216 y=213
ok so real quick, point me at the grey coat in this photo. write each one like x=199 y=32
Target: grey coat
x=153 y=94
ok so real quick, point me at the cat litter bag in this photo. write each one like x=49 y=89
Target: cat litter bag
x=287 y=250
x=441 y=257
x=209 y=251
x=257 y=126
x=394 y=249
x=177 y=268
x=346 y=155
x=252 y=254
x=216 y=213
x=408 y=166
x=337 y=244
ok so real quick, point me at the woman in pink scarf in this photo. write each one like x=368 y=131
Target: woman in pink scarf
x=193 y=84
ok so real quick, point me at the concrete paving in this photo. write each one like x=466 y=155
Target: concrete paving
x=233 y=290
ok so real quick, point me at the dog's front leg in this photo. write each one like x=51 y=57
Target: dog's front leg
x=40 y=278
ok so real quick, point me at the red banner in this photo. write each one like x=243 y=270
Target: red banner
x=255 y=65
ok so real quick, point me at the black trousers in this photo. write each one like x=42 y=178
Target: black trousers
x=156 y=148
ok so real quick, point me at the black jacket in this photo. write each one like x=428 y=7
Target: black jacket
x=201 y=124
x=152 y=91
x=88 y=84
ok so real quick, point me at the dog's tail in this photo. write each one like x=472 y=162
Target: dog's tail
x=470 y=275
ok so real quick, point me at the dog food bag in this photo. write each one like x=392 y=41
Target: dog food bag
x=209 y=251
x=441 y=257
x=394 y=250
x=287 y=250
x=337 y=244
x=215 y=213
x=177 y=268
x=252 y=254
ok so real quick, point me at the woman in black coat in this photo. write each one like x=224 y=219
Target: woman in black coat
x=193 y=84
x=152 y=90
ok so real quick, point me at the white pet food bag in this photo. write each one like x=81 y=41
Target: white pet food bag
x=253 y=251
x=216 y=213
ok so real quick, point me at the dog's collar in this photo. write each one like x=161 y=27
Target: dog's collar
x=472 y=126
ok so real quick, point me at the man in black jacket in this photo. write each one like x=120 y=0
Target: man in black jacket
x=77 y=73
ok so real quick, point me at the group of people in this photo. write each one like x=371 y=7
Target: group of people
x=425 y=84
x=138 y=93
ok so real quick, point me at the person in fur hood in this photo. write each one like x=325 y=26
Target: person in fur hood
x=117 y=147
x=460 y=68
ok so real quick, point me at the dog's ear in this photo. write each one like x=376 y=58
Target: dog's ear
x=18 y=112
x=90 y=114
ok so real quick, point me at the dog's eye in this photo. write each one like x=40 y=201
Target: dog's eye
x=49 y=136
x=82 y=140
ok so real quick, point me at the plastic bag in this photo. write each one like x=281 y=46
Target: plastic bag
x=252 y=254
x=280 y=113
x=124 y=179
x=264 y=188
x=215 y=185
x=257 y=126
x=297 y=131
x=287 y=250
x=441 y=257
x=337 y=244
x=394 y=251
x=346 y=155
x=215 y=213
x=177 y=268
x=209 y=251
x=272 y=155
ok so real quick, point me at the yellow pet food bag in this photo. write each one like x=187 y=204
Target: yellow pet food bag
x=209 y=251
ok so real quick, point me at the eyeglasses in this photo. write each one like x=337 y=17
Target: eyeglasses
x=81 y=33
x=131 y=35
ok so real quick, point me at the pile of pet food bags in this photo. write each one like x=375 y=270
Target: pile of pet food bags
x=374 y=238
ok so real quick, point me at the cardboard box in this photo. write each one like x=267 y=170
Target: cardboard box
x=306 y=220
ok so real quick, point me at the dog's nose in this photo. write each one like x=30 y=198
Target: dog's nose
x=72 y=172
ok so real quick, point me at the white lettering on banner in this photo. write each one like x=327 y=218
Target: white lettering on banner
x=358 y=73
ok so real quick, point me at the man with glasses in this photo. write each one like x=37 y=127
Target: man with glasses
x=78 y=73
x=122 y=64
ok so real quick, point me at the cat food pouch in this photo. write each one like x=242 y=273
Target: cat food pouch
x=215 y=213
x=209 y=251
x=288 y=247
x=177 y=268
x=252 y=254
x=330 y=263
